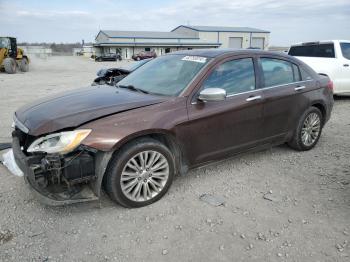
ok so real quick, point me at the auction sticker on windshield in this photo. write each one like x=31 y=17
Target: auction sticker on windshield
x=197 y=59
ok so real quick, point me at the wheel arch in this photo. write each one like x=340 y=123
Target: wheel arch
x=319 y=105
x=164 y=136
x=26 y=57
x=103 y=158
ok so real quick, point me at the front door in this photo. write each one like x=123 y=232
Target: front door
x=218 y=129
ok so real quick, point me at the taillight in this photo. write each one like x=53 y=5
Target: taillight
x=330 y=85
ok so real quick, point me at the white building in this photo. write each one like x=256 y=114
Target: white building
x=228 y=37
x=183 y=37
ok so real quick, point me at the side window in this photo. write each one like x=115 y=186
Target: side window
x=234 y=76
x=304 y=74
x=345 y=49
x=277 y=72
x=296 y=73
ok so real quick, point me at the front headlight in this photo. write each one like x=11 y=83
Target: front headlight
x=62 y=143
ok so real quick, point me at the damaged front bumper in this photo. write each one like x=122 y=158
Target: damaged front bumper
x=82 y=191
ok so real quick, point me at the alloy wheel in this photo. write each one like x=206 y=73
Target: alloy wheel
x=144 y=176
x=311 y=129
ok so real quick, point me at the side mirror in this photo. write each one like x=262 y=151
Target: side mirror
x=212 y=94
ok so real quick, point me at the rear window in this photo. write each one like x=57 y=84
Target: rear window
x=345 y=49
x=321 y=50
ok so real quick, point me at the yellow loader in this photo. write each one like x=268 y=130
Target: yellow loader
x=12 y=57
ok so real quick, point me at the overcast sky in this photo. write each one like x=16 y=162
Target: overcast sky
x=289 y=21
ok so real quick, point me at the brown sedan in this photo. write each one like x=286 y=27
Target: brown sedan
x=175 y=113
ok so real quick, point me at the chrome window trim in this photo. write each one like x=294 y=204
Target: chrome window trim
x=264 y=88
x=270 y=87
x=19 y=125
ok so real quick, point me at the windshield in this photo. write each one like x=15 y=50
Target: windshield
x=4 y=42
x=134 y=65
x=345 y=49
x=167 y=75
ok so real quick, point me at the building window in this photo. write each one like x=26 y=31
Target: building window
x=147 y=49
x=167 y=50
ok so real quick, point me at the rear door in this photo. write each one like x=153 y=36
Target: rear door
x=283 y=91
x=217 y=129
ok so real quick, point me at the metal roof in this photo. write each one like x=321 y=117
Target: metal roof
x=176 y=44
x=222 y=29
x=145 y=34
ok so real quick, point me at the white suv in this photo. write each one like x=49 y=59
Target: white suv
x=331 y=58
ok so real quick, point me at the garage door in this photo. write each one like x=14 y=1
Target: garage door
x=258 y=42
x=235 y=42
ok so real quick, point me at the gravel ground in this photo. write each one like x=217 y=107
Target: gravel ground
x=280 y=205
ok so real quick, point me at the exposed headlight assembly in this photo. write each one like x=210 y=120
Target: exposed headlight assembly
x=62 y=143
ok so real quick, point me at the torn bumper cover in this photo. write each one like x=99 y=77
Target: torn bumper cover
x=60 y=180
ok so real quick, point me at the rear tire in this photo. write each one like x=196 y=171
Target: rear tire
x=10 y=65
x=148 y=181
x=24 y=65
x=308 y=130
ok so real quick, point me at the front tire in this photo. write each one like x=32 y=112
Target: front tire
x=140 y=174
x=308 y=130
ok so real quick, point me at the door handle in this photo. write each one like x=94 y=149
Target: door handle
x=253 y=98
x=299 y=88
x=346 y=65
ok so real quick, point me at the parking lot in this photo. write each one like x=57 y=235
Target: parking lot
x=280 y=205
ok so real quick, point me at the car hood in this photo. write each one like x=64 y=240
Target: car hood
x=74 y=108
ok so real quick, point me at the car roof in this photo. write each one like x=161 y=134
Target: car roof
x=215 y=52
x=320 y=42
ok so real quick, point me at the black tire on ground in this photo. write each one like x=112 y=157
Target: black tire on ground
x=10 y=65
x=112 y=179
x=296 y=141
x=24 y=65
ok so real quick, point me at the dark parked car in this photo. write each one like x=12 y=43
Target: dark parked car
x=111 y=76
x=144 y=55
x=198 y=106
x=108 y=57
